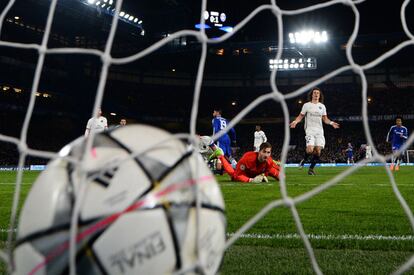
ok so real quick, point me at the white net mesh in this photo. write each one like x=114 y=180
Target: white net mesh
x=274 y=94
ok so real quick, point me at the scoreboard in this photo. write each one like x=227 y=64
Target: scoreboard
x=215 y=20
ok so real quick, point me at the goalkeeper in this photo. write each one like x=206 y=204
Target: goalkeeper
x=253 y=166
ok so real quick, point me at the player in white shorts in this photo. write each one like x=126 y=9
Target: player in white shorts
x=314 y=112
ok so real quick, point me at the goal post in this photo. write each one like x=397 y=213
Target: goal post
x=409 y=155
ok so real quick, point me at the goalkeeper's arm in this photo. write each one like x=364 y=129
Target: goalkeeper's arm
x=273 y=168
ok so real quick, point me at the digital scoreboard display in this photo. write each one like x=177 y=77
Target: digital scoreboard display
x=215 y=20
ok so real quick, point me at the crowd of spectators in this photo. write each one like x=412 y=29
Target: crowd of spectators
x=52 y=136
x=56 y=121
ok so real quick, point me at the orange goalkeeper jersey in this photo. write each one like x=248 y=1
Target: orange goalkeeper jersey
x=249 y=167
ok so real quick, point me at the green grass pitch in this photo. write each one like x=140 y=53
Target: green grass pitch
x=355 y=227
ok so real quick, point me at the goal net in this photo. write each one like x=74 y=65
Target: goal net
x=275 y=95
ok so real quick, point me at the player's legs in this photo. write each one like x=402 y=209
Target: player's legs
x=310 y=143
x=224 y=143
x=397 y=164
x=319 y=145
x=395 y=161
x=350 y=159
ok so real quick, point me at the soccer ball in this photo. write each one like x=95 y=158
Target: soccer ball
x=138 y=211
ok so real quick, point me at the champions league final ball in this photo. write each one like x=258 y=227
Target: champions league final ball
x=138 y=211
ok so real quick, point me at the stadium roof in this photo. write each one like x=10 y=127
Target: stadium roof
x=171 y=15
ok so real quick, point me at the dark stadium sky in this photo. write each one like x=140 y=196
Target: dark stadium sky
x=376 y=16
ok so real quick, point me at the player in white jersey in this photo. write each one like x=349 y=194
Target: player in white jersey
x=207 y=147
x=97 y=124
x=314 y=112
x=259 y=138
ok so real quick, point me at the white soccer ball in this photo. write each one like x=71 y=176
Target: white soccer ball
x=138 y=214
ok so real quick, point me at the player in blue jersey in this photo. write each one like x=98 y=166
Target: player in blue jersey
x=397 y=135
x=225 y=141
x=349 y=154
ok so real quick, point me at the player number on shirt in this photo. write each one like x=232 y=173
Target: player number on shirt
x=223 y=124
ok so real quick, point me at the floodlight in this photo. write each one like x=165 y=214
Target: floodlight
x=292 y=38
x=122 y=14
x=324 y=36
x=126 y=16
x=308 y=36
x=135 y=20
x=317 y=38
x=91 y=1
x=131 y=18
x=140 y=22
x=293 y=64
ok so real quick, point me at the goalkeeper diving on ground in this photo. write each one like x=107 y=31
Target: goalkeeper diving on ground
x=253 y=166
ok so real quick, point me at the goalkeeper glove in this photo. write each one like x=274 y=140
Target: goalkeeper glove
x=257 y=179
